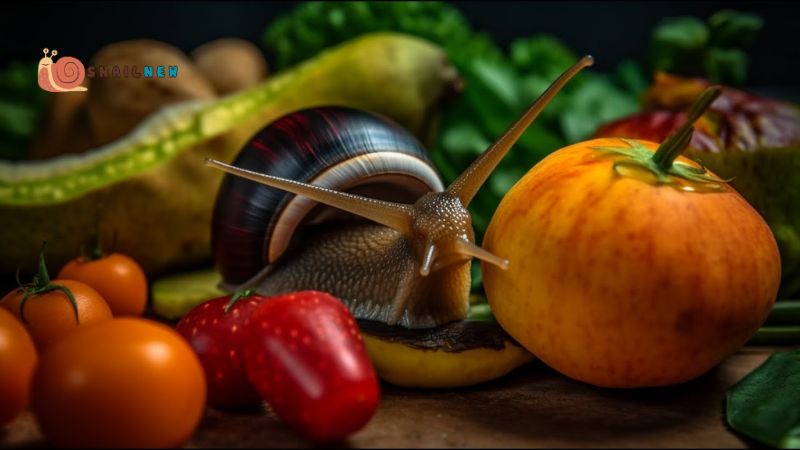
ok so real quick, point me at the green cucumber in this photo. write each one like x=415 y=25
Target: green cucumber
x=174 y=296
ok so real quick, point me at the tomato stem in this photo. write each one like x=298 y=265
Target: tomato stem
x=97 y=250
x=42 y=278
x=244 y=293
x=42 y=285
x=677 y=142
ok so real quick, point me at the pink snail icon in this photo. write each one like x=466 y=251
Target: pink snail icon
x=65 y=75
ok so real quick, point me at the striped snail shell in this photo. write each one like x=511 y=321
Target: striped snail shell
x=340 y=148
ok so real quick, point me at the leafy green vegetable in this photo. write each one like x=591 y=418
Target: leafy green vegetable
x=715 y=50
x=21 y=105
x=730 y=28
x=765 y=404
x=314 y=26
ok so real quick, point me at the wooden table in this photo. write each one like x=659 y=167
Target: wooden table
x=531 y=407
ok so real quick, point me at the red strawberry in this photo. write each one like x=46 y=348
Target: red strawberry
x=217 y=336
x=305 y=356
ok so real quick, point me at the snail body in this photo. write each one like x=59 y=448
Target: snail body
x=408 y=264
x=64 y=75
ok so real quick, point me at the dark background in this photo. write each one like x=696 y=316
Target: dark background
x=611 y=31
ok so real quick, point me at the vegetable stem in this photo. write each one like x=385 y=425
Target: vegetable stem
x=238 y=295
x=677 y=142
x=776 y=335
x=42 y=285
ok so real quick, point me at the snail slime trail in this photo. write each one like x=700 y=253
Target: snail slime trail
x=395 y=247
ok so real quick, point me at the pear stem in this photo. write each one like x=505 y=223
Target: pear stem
x=677 y=142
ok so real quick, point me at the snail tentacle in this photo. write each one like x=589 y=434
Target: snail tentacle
x=393 y=215
x=470 y=181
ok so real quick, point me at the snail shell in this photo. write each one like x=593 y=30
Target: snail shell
x=340 y=148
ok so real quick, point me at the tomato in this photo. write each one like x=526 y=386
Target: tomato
x=127 y=382
x=216 y=333
x=17 y=361
x=631 y=266
x=117 y=277
x=53 y=309
x=50 y=316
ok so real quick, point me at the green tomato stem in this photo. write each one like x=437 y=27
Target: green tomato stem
x=42 y=285
x=677 y=142
x=97 y=249
x=771 y=335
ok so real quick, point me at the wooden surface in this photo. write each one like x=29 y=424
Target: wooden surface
x=531 y=407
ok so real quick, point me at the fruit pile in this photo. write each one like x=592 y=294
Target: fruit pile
x=100 y=375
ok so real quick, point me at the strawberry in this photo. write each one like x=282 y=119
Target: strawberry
x=305 y=356
x=215 y=330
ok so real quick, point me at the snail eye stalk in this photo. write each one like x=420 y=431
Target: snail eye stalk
x=467 y=184
x=394 y=215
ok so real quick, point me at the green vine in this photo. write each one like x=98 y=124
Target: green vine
x=41 y=285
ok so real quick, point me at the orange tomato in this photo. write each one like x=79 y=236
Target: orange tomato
x=50 y=316
x=127 y=382
x=117 y=277
x=17 y=361
x=620 y=281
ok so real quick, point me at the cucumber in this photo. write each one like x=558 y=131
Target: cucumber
x=174 y=296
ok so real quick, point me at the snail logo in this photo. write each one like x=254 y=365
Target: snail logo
x=64 y=75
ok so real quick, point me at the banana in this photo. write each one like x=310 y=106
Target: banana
x=455 y=355
x=152 y=183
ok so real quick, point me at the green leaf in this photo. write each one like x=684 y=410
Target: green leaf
x=21 y=106
x=726 y=66
x=731 y=28
x=630 y=76
x=595 y=102
x=542 y=55
x=678 y=45
x=765 y=404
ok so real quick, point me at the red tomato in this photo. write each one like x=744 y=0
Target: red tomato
x=305 y=356
x=126 y=382
x=17 y=361
x=217 y=337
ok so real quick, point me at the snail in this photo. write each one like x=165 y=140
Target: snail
x=64 y=75
x=407 y=265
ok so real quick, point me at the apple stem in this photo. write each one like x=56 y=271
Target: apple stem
x=677 y=142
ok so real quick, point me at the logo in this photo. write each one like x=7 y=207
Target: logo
x=67 y=74
x=64 y=75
